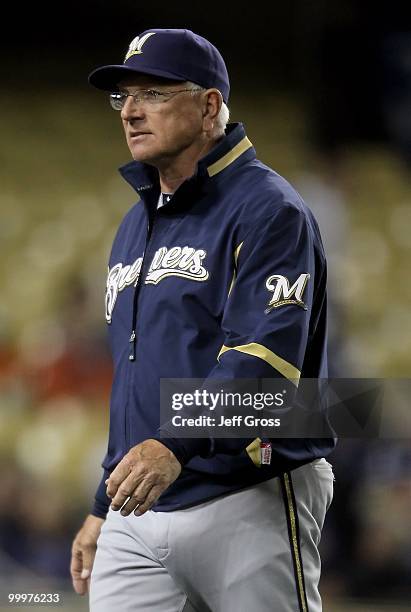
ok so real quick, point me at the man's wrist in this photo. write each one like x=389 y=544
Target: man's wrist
x=187 y=448
x=101 y=501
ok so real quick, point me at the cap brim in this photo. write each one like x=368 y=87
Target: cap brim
x=108 y=77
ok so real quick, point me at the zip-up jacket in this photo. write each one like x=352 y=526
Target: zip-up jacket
x=226 y=280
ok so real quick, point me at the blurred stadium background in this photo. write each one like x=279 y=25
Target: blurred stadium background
x=324 y=90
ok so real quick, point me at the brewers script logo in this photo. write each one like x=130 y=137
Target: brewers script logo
x=284 y=294
x=185 y=262
x=136 y=45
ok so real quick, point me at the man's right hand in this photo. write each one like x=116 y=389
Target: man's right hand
x=83 y=552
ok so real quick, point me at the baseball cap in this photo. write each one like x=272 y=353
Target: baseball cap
x=176 y=54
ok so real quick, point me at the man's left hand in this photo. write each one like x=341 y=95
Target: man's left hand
x=142 y=475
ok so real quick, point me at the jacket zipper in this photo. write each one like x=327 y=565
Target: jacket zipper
x=133 y=337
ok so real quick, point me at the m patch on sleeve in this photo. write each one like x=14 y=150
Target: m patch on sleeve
x=283 y=294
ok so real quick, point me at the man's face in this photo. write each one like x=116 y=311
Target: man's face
x=158 y=133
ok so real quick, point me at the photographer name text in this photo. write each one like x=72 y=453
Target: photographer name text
x=234 y=421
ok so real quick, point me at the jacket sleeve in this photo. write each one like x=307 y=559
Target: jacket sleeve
x=267 y=316
x=101 y=501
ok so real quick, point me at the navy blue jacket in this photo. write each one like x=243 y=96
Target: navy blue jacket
x=200 y=287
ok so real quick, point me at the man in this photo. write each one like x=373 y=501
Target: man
x=217 y=272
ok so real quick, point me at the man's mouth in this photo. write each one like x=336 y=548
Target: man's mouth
x=138 y=135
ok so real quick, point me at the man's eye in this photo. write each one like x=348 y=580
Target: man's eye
x=152 y=94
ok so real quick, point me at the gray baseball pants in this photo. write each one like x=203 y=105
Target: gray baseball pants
x=252 y=550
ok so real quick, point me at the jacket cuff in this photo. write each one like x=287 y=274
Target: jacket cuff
x=101 y=501
x=186 y=448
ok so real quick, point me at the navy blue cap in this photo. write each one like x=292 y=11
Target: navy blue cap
x=180 y=55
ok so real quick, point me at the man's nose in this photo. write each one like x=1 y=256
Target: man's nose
x=132 y=109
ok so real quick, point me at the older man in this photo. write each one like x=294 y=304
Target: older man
x=218 y=272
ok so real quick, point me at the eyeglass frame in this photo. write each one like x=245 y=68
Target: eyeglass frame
x=120 y=97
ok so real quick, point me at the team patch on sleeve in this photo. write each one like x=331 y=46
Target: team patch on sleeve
x=283 y=293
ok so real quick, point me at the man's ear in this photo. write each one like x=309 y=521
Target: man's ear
x=212 y=103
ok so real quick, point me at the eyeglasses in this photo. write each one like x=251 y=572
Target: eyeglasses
x=149 y=97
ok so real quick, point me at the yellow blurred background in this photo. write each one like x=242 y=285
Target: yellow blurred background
x=61 y=201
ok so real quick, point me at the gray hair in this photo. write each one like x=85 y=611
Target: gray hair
x=223 y=116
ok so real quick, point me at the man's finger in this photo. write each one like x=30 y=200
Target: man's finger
x=132 y=503
x=116 y=478
x=126 y=489
x=119 y=474
x=138 y=496
x=83 y=551
x=122 y=472
x=76 y=568
x=150 y=500
x=89 y=554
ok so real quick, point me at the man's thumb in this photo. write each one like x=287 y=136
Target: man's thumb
x=85 y=573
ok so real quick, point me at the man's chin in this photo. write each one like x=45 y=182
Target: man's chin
x=152 y=158
x=142 y=156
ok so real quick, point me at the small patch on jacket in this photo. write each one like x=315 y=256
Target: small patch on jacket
x=283 y=294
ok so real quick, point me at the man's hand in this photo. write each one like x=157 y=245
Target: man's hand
x=142 y=475
x=83 y=552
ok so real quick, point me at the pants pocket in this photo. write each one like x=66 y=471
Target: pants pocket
x=324 y=480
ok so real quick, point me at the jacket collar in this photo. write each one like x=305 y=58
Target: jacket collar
x=226 y=152
x=234 y=148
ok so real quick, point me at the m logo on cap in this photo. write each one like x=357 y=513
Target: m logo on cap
x=136 y=44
